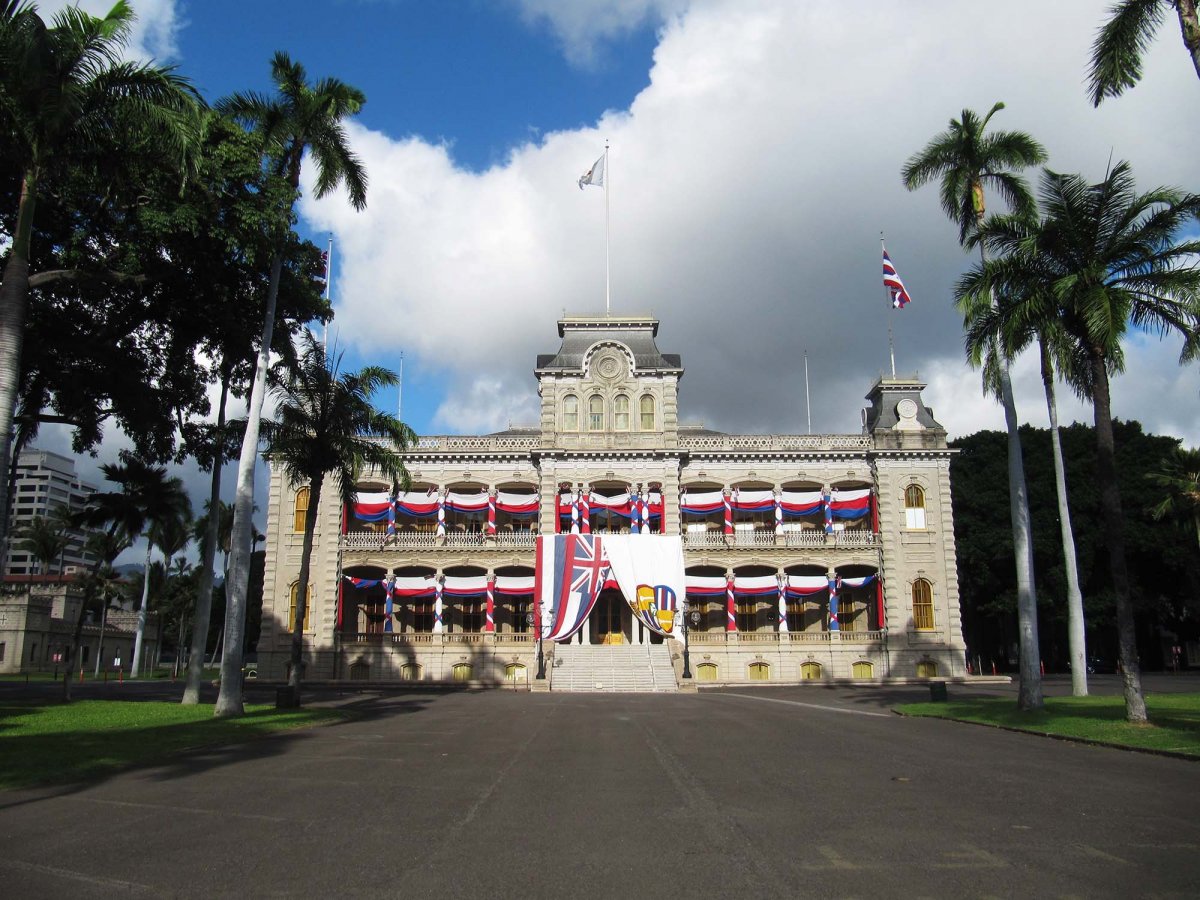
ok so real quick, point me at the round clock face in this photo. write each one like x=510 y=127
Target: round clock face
x=906 y=409
x=609 y=367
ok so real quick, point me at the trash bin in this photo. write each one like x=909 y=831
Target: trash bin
x=937 y=692
x=289 y=698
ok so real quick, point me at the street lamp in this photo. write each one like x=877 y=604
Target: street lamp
x=687 y=657
x=541 y=660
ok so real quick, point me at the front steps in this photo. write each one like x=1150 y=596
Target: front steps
x=644 y=668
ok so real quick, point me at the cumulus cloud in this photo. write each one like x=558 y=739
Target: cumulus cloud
x=583 y=26
x=750 y=182
x=155 y=29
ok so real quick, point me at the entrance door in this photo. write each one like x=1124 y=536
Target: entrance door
x=609 y=607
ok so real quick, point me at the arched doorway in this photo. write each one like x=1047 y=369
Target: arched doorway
x=611 y=618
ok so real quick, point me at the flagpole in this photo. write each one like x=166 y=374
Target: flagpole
x=607 y=267
x=328 y=287
x=400 y=390
x=807 y=399
x=891 y=342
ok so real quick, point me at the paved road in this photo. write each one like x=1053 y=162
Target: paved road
x=738 y=793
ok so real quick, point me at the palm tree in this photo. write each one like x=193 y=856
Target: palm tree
x=147 y=499
x=328 y=427
x=301 y=118
x=1131 y=26
x=1100 y=259
x=967 y=161
x=45 y=538
x=66 y=95
x=1179 y=480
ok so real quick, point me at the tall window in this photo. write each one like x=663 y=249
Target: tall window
x=473 y=615
x=596 y=413
x=301 y=510
x=293 y=595
x=922 y=595
x=520 y=609
x=848 y=614
x=621 y=413
x=647 y=403
x=747 y=615
x=914 y=507
x=422 y=613
x=570 y=413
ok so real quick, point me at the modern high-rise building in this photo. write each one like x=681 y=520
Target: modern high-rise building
x=44 y=482
x=806 y=557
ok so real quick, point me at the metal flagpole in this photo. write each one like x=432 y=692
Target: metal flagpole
x=328 y=287
x=807 y=399
x=891 y=342
x=400 y=390
x=607 y=268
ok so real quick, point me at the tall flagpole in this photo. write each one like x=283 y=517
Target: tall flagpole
x=400 y=390
x=891 y=342
x=807 y=400
x=328 y=288
x=607 y=267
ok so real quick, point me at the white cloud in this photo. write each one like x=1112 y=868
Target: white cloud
x=584 y=25
x=155 y=30
x=749 y=184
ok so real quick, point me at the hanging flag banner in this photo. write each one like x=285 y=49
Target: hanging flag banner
x=649 y=571
x=569 y=573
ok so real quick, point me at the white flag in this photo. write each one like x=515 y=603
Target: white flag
x=594 y=175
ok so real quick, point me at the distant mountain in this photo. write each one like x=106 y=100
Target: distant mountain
x=129 y=569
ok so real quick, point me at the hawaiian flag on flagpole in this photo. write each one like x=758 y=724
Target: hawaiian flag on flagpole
x=569 y=573
x=891 y=281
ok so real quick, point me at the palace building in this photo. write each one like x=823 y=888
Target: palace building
x=806 y=557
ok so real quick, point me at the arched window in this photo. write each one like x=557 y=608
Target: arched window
x=595 y=413
x=922 y=597
x=461 y=672
x=760 y=671
x=410 y=672
x=293 y=595
x=914 y=507
x=570 y=413
x=810 y=671
x=927 y=668
x=706 y=672
x=515 y=673
x=621 y=413
x=301 y=510
x=647 y=403
x=862 y=670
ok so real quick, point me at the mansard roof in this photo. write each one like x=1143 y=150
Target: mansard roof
x=580 y=333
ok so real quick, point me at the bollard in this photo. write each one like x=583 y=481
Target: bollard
x=1042 y=667
x=993 y=667
x=120 y=676
x=937 y=692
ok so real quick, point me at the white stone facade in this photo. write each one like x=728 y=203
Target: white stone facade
x=610 y=424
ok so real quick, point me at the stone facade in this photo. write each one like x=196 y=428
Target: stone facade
x=610 y=424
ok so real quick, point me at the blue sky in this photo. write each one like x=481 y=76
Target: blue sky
x=756 y=151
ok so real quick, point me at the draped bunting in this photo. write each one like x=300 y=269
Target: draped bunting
x=372 y=507
x=421 y=504
x=701 y=504
x=514 y=585
x=517 y=504
x=755 y=585
x=363 y=583
x=464 y=585
x=705 y=585
x=850 y=504
x=753 y=501
x=801 y=503
x=466 y=503
x=649 y=573
x=414 y=587
x=799 y=586
x=569 y=574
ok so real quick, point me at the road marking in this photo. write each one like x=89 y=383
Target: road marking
x=969 y=858
x=1097 y=853
x=838 y=709
x=186 y=809
x=833 y=860
x=75 y=876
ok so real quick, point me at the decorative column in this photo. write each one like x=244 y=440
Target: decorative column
x=730 y=605
x=635 y=510
x=490 y=624
x=827 y=502
x=585 y=509
x=835 y=582
x=491 y=522
x=783 y=625
x=441 y=514
x=728 y=512
x=438 y=580
x=388 y=607
x=574 y=513
x=778 y=515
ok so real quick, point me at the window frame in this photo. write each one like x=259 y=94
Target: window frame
x=595 y=413
x=646 y=400
x=293 y=595
x=922 y=605
x=300 y=501
x=570 y=413
x=914 y=512
x=621 y=412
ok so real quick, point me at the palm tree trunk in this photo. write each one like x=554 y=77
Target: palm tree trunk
x=1189 y=25
x=1076 y=635
x=100 y=645
x=1114 y=538
x=310 y=527
x=135 y=666
x=229 y=700
x=14 y=294
x=195 y=669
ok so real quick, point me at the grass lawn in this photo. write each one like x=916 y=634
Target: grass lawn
x=1174 y=719
x=53 y=743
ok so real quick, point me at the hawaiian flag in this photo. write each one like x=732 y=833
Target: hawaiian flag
x=569 y=573
x=891 y=281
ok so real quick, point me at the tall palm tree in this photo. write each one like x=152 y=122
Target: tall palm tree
x=301 y=118
x=1117 y=52
x=1101 y=258
x=327 y=428
x=967 y=161
x=1179 y=481
x=44 y=538
x=66 y=95
x=147 y=499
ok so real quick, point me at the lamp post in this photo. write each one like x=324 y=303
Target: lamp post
x=687 y=656
x=541 y=660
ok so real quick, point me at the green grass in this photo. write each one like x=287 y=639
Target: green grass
x=1174 y=719
x=43 y=743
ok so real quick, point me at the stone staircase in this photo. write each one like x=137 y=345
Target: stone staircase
x=625 y=667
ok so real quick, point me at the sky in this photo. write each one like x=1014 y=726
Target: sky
x=756 y=148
